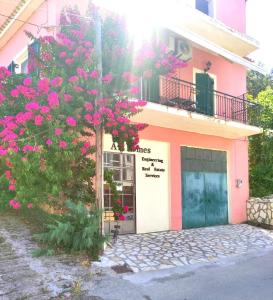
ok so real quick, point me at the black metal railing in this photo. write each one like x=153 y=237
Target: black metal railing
x=186 y=95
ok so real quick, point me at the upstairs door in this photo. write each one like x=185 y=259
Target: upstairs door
x=151 y=89
x=204 y=94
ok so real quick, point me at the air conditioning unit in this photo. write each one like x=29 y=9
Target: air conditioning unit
x=180 y=47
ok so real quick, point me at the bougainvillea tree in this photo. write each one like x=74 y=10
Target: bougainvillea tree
x=48 y=117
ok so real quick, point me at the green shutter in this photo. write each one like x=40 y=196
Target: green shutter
x=204 y=94
x=154 y=88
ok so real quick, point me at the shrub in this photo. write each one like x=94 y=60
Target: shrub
x=77 y=230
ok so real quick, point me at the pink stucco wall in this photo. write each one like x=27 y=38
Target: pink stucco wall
x=237 y=154
x=232 y=13
x=230 y=77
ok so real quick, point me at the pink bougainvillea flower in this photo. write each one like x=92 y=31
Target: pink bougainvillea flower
x=53 y=100
x=12 y=202
x=32 y=106
x=86 y=145
x=92 y=92
x=27 y=81
x=67 y=98
x=58 y=131
x=4 y=73
x=83 y=150
x=46 y=56
x=128 y=76
x=71 y=121
x=24 y=158
x=8 y=174
x=2 y=98
x=121 y=217
x=78 y=89
x=27 y=148
x=115 y=132
x=73 y=78
x=88 y=118
x=22 y=131
x=15 y=93
x=38 y=120
x=69 y=61
x=30 y=205
x=43 y=85
x=88 y=106
x=62 y=144
x=8 y=163
x=96 y=118
x=126 y=208
x=62 y=54
x=94 y=74
x=134 y=90
x=45 y=110
x=57 y=81
x=82 y=73
x=107 y=78
x=11 y=187
x=17 y=205
x=49 y=142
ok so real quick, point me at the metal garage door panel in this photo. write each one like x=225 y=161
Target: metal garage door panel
x=216 y=199
x=204 y=187
x=194 y=207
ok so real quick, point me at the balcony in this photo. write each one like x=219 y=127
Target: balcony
x=178 y=104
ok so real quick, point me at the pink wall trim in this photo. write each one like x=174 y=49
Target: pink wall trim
x=237 y=168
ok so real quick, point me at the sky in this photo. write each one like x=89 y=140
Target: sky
x=259 y=26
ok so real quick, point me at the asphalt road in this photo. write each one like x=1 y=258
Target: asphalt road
x=241 y=278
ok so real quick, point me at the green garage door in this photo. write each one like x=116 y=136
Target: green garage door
x=204 y=187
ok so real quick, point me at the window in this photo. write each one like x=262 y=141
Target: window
x=20 y=64
x=205 y=6
x=24 y=67
x=21 y=61
x=123 y=167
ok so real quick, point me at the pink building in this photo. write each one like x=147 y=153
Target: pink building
x=192 y=167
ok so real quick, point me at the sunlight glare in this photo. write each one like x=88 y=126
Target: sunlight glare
x=143 y=17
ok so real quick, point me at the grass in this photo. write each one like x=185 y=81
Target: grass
x=36 y=219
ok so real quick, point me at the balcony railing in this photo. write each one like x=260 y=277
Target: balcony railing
x=186 y=95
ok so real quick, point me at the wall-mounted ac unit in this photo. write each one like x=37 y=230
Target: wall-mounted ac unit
x=180 y=47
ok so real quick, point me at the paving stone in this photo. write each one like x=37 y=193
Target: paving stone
x=191 y=246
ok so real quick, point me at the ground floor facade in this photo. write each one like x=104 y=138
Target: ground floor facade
x=178 y=180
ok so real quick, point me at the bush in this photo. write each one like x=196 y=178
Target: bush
x=77 y=230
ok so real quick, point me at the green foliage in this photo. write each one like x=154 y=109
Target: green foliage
x=77 y=230
x=257 y=82
x=116 y=203
x=261 y=149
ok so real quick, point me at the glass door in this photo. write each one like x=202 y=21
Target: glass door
x=123 y=167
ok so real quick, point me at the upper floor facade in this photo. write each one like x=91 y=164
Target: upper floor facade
x=207 y=96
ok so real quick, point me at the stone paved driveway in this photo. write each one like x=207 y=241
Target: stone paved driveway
x=154 y=251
